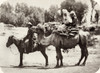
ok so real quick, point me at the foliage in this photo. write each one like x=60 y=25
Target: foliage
x=21 y=14
x=78 y=7
x=6 y=7
x=22 y=7
x=5 y=12
x=49 y=15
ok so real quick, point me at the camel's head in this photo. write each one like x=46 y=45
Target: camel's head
x=38 y=29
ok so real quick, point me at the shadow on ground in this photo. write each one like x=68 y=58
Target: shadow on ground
x=37 y=67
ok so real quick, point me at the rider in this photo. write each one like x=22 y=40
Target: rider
x=74 y=19
x=72 y=26
x=68 y=21
x=29 y=36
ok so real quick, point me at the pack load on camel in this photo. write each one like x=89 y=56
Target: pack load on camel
x=66 y=31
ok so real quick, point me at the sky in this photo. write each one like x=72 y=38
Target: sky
x=38 y=3
x=98 y=1
x=41 y=3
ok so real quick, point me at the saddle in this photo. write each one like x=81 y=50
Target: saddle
x=28 y=47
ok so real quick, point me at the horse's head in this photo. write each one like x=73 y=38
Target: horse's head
x=10 y=41
x=63 y=16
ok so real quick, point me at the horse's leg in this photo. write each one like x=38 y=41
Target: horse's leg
x=86 y=56
x=21 y=59
x=46 y=57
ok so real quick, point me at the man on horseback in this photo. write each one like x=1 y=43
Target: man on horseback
x=30 y=38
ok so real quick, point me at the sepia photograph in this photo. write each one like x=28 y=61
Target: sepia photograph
x=49 y=36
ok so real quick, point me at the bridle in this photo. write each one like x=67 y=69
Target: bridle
x=12 y=51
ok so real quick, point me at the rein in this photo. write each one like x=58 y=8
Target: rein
x=13 y=52
x=11 y=38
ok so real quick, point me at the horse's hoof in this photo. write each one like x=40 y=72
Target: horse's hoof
x=46 y=65
x=57 y=66
x=83 y=64
x=77 y=64
x=61 y=65
x=20 y=65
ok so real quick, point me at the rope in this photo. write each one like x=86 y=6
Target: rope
x=13 y=52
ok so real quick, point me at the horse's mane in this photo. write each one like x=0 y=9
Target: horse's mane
x=15 y=38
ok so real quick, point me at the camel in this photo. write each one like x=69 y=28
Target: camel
x=60 y=41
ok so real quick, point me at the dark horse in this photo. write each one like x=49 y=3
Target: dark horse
x=60 y=41
x=22 y=48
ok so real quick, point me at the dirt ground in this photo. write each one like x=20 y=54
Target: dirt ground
x=35 y=62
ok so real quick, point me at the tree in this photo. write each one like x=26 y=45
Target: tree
x=93 y=5
x=6 y=7
x=20 y=19
x=49 y=15
x=6 y=13
x=22 y=8
x=4 y=17
x=68 y=4
x=97 y=15
x=21 y=14
x=78 y=7
x=36 y=15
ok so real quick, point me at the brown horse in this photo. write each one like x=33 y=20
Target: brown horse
x=63 y=42
x=23 y=48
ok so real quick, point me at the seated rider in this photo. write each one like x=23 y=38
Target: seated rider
x=68 y=21
x=72 y=27
x=29 y=36
x=74 y=19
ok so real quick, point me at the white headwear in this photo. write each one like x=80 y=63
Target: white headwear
x=29 y=23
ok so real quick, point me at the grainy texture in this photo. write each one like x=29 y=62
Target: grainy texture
x=35 y=62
